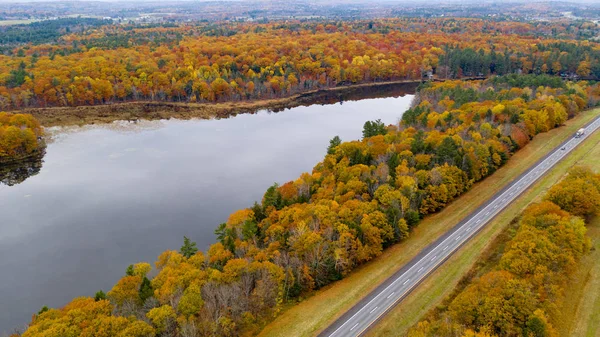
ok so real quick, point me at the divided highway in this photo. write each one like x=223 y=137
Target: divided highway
x=376 y=304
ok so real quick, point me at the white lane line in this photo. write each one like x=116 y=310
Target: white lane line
x=495 y=206
x=478 y=221
x=487 y=213
x=418 y=271
x=445 y=248
x=468 y=229
x=433 y=258
x=405 y=282
x=354 y=327
x=390 y=295
x=458 y=237
x=370 y=312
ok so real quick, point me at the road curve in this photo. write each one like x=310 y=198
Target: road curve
x=360 y=317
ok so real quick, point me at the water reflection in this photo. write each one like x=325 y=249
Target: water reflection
x=356 y=93
x=16 y=173
x=108 y=196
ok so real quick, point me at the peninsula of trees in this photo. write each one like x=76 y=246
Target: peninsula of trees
x=364 y=196
x=20 y=137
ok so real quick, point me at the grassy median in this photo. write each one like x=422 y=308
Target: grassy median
x=444 y=280
x=316 y=312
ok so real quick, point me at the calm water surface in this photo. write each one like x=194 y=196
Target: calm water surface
x=108 y=196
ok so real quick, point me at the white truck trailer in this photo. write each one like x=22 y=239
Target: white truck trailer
x=580 y=133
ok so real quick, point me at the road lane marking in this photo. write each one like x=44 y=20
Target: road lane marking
x=468 y=229
x=370 y=312
x=478 y=221
x=445 y=248
x=418 y=271
x=405 y=282
x=355 y=325
x=458 y=237
x=390 y=295
x=433 y=258
x=487 y=213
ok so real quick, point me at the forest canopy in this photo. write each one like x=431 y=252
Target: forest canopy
x=234 y=61
x=363 y=197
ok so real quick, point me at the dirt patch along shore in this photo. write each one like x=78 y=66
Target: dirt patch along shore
x=152 y=110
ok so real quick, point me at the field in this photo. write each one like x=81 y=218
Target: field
x=315 y=313
x=15 y=22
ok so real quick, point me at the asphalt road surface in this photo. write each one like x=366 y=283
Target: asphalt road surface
x=358 y=319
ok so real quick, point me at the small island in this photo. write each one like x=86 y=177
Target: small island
x=20 y=138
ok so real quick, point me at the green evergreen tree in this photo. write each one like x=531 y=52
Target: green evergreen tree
x=333 y=143
x=129 y=271
x=100 y=295
x=412 y=218
x=189 y=248
x=272 y=197
x=226 y=236
x=145 y=289
x=43 y=310
x=374 y=128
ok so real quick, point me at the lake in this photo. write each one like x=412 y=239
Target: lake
x=111 y=195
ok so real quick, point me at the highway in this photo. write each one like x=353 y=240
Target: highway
x=359 y=318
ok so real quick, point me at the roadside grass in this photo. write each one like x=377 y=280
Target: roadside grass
x=581 y=310
x=316 y=312
x=451 y=277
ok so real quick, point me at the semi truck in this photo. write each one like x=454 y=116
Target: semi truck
x=580 y=133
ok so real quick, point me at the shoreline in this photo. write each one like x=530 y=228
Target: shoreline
x=153 y=110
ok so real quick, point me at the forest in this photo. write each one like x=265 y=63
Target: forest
x=205 y=62
x=363 y=197
x=20 y=136
x=524 y=291
x=43 y=31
